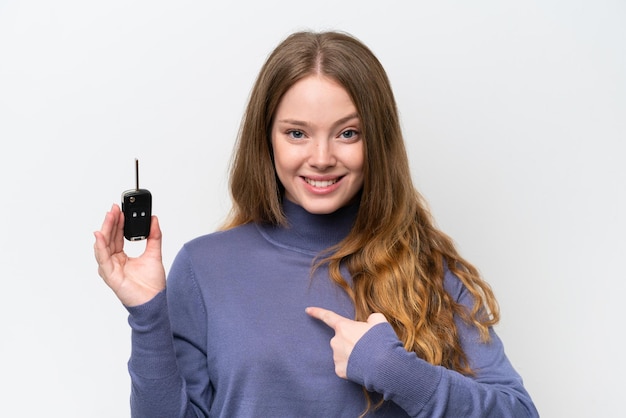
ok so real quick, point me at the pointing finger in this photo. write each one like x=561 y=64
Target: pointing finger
x=330 y=318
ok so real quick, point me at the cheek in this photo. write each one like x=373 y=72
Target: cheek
x=360 y=163
x=357 y=160
x=284 y=164
x=287 y=157
x=359 y=166
x=279 y=160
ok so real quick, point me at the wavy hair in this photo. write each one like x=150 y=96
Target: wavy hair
x=395 y=253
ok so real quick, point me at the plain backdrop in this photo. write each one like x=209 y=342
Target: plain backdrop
x=515 y=120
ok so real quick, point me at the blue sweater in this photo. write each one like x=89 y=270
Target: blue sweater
x=229 y=338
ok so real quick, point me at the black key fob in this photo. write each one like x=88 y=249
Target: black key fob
x=137 y=208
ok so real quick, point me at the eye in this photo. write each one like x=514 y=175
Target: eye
x=349 y=134
x=295 y=134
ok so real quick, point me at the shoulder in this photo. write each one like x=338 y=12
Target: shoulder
x=207 y=255
x=452 y=283
x=218 y=246
x=455 y=288
x=220 y=241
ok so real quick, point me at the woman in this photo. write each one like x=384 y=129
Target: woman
x=329 y=292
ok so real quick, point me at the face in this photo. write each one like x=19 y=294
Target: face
x=318 y=149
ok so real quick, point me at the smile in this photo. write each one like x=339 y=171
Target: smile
x=321 y=183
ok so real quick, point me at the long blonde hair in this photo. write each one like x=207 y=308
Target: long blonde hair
x=395 y=253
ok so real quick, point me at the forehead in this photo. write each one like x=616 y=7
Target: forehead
x=315 y=96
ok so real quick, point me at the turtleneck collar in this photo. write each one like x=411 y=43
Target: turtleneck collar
x=310 y=233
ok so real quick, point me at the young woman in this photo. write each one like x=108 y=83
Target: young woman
x=329 y=292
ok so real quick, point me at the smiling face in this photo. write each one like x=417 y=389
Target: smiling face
x=317 y=144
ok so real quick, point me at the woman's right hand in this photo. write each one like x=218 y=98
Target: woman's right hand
x=134 y=280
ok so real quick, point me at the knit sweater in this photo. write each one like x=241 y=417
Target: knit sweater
x=229 y=337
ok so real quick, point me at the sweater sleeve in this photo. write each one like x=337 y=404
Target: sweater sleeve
x=166 y=361
x=381 y=364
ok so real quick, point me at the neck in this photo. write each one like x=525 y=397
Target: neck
x=309 y=232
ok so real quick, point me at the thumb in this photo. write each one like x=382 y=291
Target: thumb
x=153 y=245
x=376 y=318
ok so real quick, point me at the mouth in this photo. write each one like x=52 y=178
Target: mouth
x=321 y=183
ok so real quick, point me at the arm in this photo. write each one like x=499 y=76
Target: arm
x=381 y=364
x=369 y=353
x=158 y=389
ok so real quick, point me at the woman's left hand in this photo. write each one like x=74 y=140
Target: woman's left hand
x=347 y=334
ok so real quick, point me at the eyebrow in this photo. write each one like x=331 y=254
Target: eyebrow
x=303 y=123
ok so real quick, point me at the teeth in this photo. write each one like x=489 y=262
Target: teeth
x=324 y=183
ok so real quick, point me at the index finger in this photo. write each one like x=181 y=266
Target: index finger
x=330 y=318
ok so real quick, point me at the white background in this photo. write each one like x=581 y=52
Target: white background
x=515 y=119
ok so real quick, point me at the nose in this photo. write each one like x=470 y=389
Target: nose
x=321 y=154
